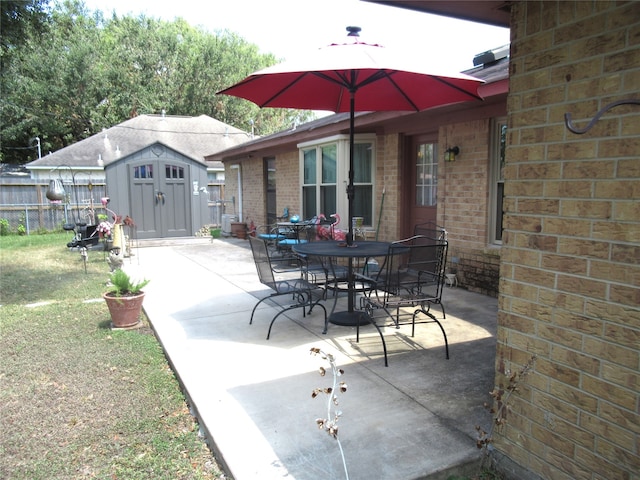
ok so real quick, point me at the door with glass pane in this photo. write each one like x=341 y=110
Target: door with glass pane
x=271 y=207
x=420 y=198
x=160 y=198
x=175 y=212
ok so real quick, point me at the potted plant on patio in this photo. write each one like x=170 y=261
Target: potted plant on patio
x=125 y=299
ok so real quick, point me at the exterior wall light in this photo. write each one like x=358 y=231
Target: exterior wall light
x=451 y=153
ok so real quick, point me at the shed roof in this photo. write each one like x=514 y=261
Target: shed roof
x=193 y=137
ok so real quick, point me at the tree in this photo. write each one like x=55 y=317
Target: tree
x=50 y=85
x=19 y=20
x=85 y=72
x=18 y=17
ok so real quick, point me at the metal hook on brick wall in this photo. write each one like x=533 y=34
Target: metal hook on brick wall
x=602 y=111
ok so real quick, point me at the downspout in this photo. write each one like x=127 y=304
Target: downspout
x=237 y=167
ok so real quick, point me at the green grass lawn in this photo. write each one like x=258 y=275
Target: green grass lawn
x=79 y=400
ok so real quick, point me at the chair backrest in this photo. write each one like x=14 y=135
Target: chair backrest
x=263 y=262
x=415 y=267
x=431 y=230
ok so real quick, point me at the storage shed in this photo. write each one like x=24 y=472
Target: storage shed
x=154 y=168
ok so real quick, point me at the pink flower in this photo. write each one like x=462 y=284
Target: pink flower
x=104 y=229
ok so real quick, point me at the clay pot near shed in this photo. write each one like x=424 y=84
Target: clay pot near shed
x=239 y=230
x=125 y=310
x=125 y=298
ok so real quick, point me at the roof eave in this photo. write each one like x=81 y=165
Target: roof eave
x=490 y=12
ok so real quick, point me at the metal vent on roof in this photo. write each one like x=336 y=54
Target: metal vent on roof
x=491 y=56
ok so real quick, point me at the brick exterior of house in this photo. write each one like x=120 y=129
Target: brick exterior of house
x=463 y=206
x=570 y=271
x=463 y=191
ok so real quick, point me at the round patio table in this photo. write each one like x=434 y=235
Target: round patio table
x=334 y=249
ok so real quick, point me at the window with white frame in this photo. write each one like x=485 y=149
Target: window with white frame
x=324 y=168
x=496 y=169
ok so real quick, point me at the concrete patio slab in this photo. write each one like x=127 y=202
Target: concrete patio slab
x=412 y=420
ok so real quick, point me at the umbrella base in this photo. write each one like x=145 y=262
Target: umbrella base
x=349 y=319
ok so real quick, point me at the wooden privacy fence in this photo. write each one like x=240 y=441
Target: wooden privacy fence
x=24 y=207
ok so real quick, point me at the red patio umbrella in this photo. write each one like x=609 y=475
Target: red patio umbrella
x=349 y=77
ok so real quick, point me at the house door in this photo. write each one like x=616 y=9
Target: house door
x=270 y=190
x=160 y=198
x=422 y=177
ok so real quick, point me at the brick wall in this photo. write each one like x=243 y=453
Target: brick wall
x=288 y=182
x=570 y=271
x=463 y=196
x=252 y=190
x=477 y=270
x=253 y=187
x=253 y=194
x=230 y=189
x=388 y=178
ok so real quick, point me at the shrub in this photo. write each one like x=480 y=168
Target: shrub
x=5 y=228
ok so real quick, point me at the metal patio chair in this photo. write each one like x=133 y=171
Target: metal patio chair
x=271 y=233
x=431 y=230
x=410 y=281
x=303 y=293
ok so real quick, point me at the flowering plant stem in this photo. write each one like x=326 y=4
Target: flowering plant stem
x=330 y=423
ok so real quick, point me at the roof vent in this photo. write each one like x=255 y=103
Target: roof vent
x=491 y=56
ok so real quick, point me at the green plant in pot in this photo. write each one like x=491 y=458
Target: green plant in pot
x=124 y=299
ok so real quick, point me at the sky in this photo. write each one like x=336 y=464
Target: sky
x=289 y=28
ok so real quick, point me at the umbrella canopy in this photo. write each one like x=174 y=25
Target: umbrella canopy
x=326 y=78
x=349 y=77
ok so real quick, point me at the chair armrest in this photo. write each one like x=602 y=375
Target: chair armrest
x=365 y=278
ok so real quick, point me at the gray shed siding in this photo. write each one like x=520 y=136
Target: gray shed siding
x=179 y=216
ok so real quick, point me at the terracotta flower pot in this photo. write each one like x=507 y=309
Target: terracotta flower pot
x=124 y=310
x=239 y=230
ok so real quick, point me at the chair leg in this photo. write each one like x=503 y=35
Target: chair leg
x=326 y=318
x=313 y=305
x=303 y=306
x=444 y=315
x=394 y=318
x=274 y=319
x=304 y=299
x=434 y=320
x=384 y=344
x=255 y=307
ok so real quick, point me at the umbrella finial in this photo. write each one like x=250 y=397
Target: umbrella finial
x=353 y=31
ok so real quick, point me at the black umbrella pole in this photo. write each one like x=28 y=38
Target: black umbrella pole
x=350 y=187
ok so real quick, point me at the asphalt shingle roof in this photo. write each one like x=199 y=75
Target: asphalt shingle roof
x=194 y=137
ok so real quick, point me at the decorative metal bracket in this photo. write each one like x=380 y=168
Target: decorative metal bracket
x=602 y=111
